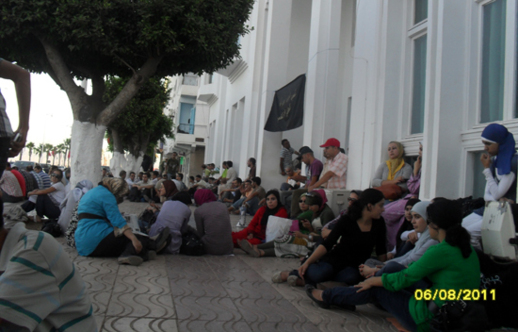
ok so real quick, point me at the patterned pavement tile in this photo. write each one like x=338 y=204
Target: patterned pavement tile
x=212 y=326
x=141 y=305
x=206 y=309
x=130 y=324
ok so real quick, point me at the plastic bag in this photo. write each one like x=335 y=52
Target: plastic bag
x=277 y=227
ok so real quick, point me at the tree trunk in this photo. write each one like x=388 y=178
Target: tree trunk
x=86 y=151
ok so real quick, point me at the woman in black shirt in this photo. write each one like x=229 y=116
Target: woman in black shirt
x=350 y=243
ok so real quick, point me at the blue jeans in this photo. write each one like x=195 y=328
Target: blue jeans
x=393 y=267
x=323 y=271
x=395 y=303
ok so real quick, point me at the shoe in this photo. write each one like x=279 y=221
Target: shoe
x=292 y=280
x=277 y=278
x=247 y=247
x=309 y=292
x=131 y=260
x=147 y=199
x=161 y=240
x=151 y=255
x=242 y=221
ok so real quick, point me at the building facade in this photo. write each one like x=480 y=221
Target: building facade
x=435 y=72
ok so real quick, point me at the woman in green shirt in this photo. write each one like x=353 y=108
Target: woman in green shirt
x=451 y=266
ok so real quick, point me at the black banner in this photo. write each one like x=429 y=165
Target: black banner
x=288 y=106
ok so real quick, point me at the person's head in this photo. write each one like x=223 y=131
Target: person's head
x=303 y=206
x=155 y=174
x=369 y=205
x=8 y=166
x=15 y=167
x=395 y=150
x=105 y=171
x=179 y=177
x=183 y=197
x=251 y=162
x=140 y=175
x=191 y=178
x=229 y=163
x=408 y=208
x=331 y=148
x=202 y=196
x=212 y=180
x=285 y=143
x=29 y=168
x=314 y=201
x=236 y=183
x=56 y=175
x=420 y=216
x=67 y=173
x=273 y=200
x=167 y=189
x=224 y=165
x=37 y=168
x=444 y=223
x=118 y=187
x=198 y=178
x=175 y=155
x=289 y=171
x=256 y=182
x=145 y=177
x=203 y=166
x=122 y=174
x=306 y=154
x=353 y=196
x=248 y=185
x=132 y=176
x=499 y=142
x=209 y=167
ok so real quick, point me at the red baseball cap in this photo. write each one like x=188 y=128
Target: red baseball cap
x=331 y=142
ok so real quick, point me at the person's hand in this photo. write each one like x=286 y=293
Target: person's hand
x=364 y=285
x=302 y=270
x=399 y=179
x=325 y=232
x=137 y=245
x=298 y=234
x=417 y=165
x=310 y=188
x=390 y=255
x=16 y=147
x=485 y=159
x=503 y=199
x=412 y=237
x=250 y=236
x=367 y=271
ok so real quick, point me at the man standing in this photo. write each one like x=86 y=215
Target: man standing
x=336 y=175
x=172 y=166
x=286 y=156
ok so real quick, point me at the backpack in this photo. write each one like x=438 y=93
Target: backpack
x=191 y=244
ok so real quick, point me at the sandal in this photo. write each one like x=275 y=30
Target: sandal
x=309 y=292
x=247 y=247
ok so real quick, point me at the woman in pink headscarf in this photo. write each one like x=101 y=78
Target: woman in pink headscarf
x=213 y=223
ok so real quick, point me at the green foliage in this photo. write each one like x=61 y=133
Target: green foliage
x=109 y=37
x=142 y=119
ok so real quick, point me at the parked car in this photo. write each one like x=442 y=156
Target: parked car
x=21 y=164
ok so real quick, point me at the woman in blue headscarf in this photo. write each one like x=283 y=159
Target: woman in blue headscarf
x=499 y=163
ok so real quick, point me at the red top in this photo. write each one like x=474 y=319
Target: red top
x=255 y=226
x=21 y=181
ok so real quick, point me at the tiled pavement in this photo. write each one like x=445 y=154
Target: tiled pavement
x=208 y=293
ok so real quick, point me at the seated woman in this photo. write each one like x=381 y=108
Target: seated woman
x=255 y=232
x=49 y=199
x=500 y=169
x=419 y=217
x=405 y=237
x=394 y=211
x=174 y=214
x=394 y=170
x=213 y=223
x=70 y=202
x=102 y=230
x=360 y=231
x=450 y=265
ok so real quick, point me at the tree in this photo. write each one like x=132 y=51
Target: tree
x=140 y=125
x=48 y=148
x=60 y=149
x=98 y=38
x=30 y=146
x=66 y=143
x=40 y=150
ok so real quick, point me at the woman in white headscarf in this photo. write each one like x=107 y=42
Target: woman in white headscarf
x=70 y=202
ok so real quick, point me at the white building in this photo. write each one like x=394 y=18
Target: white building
x=190 y=118
x=435 y=71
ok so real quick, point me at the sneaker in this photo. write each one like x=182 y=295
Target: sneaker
x=147 y=199
x=131 y=260
x=242 y=221
x=277 y=278
x=292 y=280
x=151 y=255
x=161 y=240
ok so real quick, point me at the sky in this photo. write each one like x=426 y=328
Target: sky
x=51 y=113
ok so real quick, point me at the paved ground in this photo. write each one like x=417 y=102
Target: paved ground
x=208 y=293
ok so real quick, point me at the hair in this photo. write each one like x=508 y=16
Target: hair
x=198 y=176
x=29 y=168
x=412 y=202
x=104 y=169
x=191 y=177
x=37 y=166
x=315 y=198
x=140 y=173
x=132 y=173
x=400 y=147
x=8 y=164
x=284 y=140
x=147 y=174
x=203 y=166
x=229 y=163
x=447 y=215
x=156 y=173
x=357 y=192
x=257 y=180
x=224 y=163
x=368 y=196
x=180 y=175
x=239 y=181
x=183 y=197
x=60 y=175
x=121 y=173
x=212 y=178
x=252 y=160
x=248 y=181
x=342 y=150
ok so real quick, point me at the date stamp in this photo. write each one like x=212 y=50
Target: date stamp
x=455 y=295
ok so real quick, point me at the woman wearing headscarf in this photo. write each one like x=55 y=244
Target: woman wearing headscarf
x=70 y=202
x=175 y=215
x=394 y=170
x=102 y=230
x=255 y=232
x=165 y=189
x=499 y=164
x=213 y=223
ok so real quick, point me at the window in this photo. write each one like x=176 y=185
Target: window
x=187 y=118
x=419 y=84
x=493 y=61
x=420 y=10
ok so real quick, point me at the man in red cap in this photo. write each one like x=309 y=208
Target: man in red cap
x=336 y=174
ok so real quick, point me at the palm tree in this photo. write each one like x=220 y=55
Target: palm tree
x=48 y=148
x=67 y=143
x=40 y=150
x=30 y=146
x=60 y=148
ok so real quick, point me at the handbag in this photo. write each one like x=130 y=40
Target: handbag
x=460 y=316
x=390 y=191
x=277 y=227
x=191 y=244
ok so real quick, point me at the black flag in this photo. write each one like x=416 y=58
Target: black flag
x=288 y=106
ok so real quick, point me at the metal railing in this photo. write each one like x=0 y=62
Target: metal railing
x=186 y=128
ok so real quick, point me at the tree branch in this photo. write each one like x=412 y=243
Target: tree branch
x=131 y=88
x=127 y=64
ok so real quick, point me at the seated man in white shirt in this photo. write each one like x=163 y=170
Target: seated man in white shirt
x=131 y=179
x=141 y=189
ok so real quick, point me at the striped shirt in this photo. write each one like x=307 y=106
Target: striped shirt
x=39 y=180
x=5 y=124
x=45 y=178
x=40 y=288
